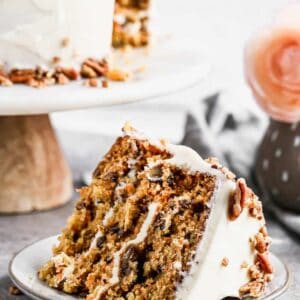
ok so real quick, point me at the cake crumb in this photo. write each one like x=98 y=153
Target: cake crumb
x=225 y=262
x=177 y=265
x=244 y=265
x=62 y=79
x=56 y=60
x=92 y=82
x=13 y=290
x=269 y=277
x=65 y=42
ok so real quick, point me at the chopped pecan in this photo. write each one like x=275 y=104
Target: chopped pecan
x=254 y=272
x=242 y=191
x=260 y=242
x=261 y=246
x=70 y=73
x=56 y=60
x=4 y=81
x=235 y=210
x=62 y=79
x=228 y=173
x=117 y=75
x=214 y=162
x=35 y=83
x=13 y=290
x=91 y=82
x=268 y=277
x=255 y=209
x=225 y=262
x=264 y=231
x=65 y=42
x=104 y=83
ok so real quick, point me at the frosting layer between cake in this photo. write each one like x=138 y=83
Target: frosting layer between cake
x=45 y=33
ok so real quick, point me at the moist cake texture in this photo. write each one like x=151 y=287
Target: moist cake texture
x=158 y=222
x=131 y=23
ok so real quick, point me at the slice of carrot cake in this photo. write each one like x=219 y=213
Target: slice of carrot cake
x=159 y=222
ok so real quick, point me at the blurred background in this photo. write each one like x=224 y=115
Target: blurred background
x=220 y=30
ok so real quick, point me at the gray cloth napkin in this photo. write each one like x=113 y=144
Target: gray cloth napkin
x=233 y=137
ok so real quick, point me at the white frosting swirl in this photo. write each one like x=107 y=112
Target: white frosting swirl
x=32 y=31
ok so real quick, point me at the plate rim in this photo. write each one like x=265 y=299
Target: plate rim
x=16 y=281
x=28 y=291
x=280 y=291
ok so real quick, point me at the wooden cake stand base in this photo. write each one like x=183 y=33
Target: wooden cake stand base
x=34 y=174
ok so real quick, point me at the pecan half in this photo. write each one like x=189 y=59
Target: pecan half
x=62 y=79
x=237 y=200
x=93 y=68
x=242 y=191
x=88 y=72
x=21 y=76
x=264 y=262
x=253 y=289
x=261 y=246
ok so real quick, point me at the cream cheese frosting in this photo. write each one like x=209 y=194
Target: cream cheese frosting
x=223 y=238
x=34 y=32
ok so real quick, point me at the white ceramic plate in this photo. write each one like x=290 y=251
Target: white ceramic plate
x=24 y=266
x=169 y=67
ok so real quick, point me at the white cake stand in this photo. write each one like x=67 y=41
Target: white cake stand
x=33 y=172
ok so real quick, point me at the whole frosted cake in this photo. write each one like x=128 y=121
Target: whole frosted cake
x=48 y=32
x=159 y=222
x=45 y=42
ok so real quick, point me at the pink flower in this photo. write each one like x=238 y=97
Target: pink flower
x=272 y=66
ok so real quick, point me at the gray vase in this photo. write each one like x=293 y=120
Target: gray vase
x=278 y=164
